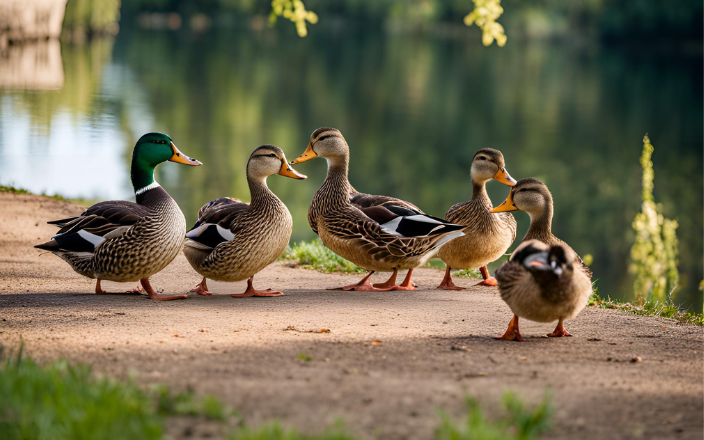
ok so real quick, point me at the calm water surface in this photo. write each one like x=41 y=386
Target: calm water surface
x=414 y=111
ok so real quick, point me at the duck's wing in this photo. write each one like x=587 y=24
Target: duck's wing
x=361 y=200
x=100 y=222
x=217 y=221
x=391 y=232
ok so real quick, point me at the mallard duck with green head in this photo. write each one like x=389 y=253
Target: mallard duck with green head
x=125 y=241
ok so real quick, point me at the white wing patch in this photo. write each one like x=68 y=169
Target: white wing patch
x=95 y=240
x=225 y=233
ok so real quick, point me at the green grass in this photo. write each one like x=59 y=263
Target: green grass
x=15 y=190
x=314 y=255
x=467 y=273
x=62 y=401
x=518 y=423
x=665 y=309
x=59 y=401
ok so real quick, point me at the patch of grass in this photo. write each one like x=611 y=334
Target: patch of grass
x=518 y=423
x=665 y=309
x=468 y=273
x=59 y=401
x=274 y=431
x=62 y=401
x=305 y=357
x=15 y=190
x=314 y=255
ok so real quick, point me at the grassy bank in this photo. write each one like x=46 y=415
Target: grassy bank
x=10 y=189
x=60 y=401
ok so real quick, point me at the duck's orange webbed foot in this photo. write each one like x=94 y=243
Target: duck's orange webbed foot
x=158 y=296
x=447 y=283
x=391 y=282
x=363 y=286
x=407 y=284
x=201 y=289
x=488 y=280
x=251 y=291
x=559 y=331
x=512 y=333
x=100 y=291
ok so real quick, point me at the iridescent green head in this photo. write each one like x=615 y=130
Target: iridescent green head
x=151 y=150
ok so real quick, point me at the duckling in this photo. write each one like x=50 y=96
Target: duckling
x=534 y=197
x=543 y=283
x=124 y=241
x=377 y=233
x=487 y=236
x=233 y=240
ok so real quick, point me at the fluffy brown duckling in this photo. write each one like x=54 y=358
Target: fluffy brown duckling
x=487 y=236
x=532 y=196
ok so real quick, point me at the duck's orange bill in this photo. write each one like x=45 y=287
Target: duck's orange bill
x=287 y=171
x=507 y=205
x=308 y=155
x=503 y=177
x=179 y=157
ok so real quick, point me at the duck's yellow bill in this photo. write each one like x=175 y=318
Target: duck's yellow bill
x=507 y=205
x=503 y=177
x=287 y=171
x=179 y=157
x=308 y=155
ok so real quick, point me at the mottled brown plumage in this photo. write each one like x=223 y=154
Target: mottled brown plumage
x=337 y=214
x=487 y=236
x=255 y=234
x=544 y=283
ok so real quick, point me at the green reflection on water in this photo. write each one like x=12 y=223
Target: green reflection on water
x=415 y=110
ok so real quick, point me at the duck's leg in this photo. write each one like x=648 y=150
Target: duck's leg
x=447 y=283
x=201 y=289
x=100 y=291
x=158 y=296
x=559 y=330
x=391 y=282
x=251 y=291
x=363 y=285
x=407 y=284
x=512 y=333
x=488 y=280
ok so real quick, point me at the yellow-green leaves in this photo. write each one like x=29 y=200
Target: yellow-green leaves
x=294 y=11
x=655 y=250
x=484 y=15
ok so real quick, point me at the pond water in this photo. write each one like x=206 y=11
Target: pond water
x=413 y=109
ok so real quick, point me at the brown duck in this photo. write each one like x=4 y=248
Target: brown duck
x=487 y=236
x=377 y=233
x=540 y=296
x=233 y=240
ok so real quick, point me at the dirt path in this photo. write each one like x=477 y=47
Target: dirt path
x=246 y=351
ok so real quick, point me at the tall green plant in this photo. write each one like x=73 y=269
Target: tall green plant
x=655 y=250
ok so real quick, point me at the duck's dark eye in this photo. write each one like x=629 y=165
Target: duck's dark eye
x=481 y=158
x=271 y=155
x=324 y=137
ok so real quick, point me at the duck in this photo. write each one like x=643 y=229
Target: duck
x=233 y=240
x=533 y=196
x=543 y=283
x=487 y=236
x=126 y=241
x=377 y=233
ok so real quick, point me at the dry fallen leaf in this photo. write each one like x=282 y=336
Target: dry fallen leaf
x=376 y=342
x=324 y=330
x=175 y=336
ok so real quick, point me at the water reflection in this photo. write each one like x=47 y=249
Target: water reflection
x=32 y=66
x=414 y=111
